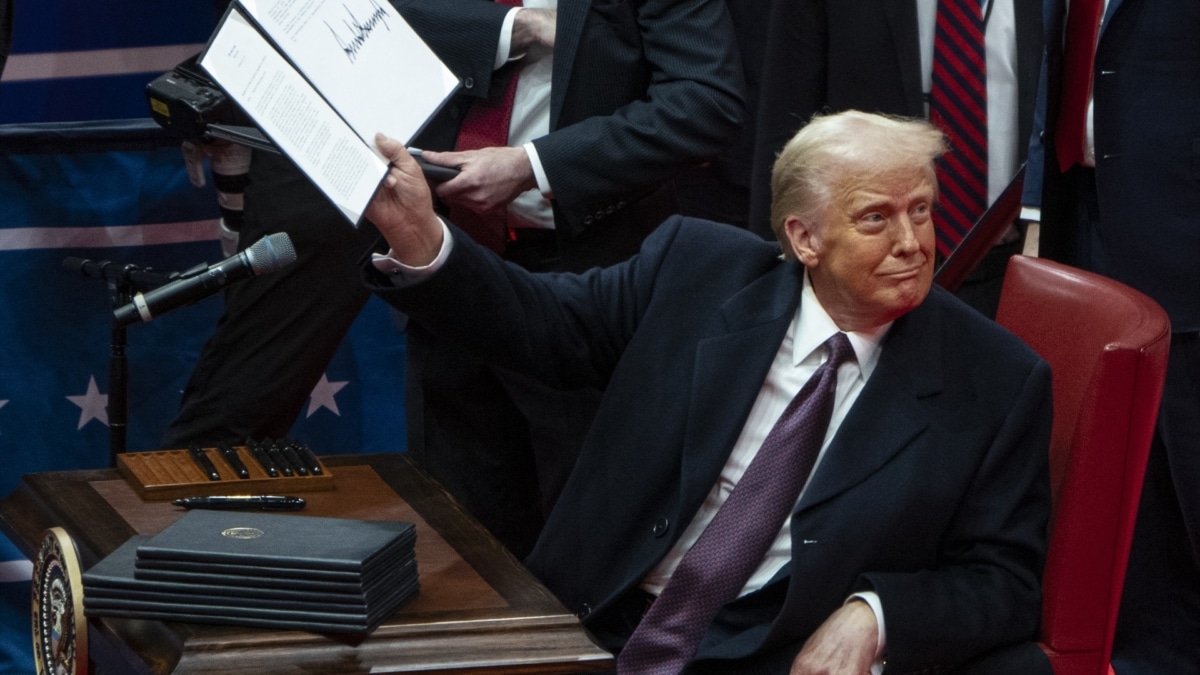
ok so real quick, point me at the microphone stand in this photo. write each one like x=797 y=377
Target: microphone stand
x=123 y=282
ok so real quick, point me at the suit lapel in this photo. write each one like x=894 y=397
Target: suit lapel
x=902 y=18
x=1109 y=11
x=884 y=419
x=572 y=14
x=729 y=371
x=1030 y=34
x=887 y=414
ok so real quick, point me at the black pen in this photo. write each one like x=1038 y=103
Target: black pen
x=277 y=457
x=433 y=172
x=237 y=502
x=264 y=460
x=307 y=456
x=231 y=457
x=204 y=462
x=288 y=450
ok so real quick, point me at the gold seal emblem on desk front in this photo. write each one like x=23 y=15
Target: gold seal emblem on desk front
x=59 y=626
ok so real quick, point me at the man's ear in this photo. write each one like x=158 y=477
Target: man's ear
x=802 y=236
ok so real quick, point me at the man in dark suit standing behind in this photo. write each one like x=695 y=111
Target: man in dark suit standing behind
x=720 y=189
x=612 y=100
x=1118 y=184
x=919 y=536
x=877 y=56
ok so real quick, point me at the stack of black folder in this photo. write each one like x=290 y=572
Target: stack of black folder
x=260 y=569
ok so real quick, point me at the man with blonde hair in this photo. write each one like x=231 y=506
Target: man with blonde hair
x=803 y=175
x=811 y=463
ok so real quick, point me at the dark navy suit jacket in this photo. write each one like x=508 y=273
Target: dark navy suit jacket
x=1147 y=137
x=1144 y=231
x=934 y=492
x=639 y=91
x=857 y=54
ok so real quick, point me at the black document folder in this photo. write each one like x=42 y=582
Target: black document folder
x=278 y=540
x=258 y=570
x=282 y=620
x=165 y=568
x=117 y=576
x=314 y=617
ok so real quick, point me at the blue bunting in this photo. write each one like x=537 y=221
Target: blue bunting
x=84 y=172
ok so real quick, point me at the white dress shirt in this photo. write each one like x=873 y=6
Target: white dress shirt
x=1000 y=45
x=1089 y=143
x=530 y=117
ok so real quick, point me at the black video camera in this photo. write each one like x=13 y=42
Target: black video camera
x=187 y=102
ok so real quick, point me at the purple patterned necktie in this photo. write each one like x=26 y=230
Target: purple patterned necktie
x=733 y=545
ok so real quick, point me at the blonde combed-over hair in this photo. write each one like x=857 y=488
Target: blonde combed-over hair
x=850 y=143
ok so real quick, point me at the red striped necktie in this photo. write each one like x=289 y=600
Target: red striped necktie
x=1079 y=53
x=486 y=125
x=958 y=105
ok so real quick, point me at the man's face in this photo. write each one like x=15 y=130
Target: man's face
x=870 y=251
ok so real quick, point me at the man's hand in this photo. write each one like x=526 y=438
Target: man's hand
x=402 y=208
x=843 y=645
x=488 y=178
x=533 y=31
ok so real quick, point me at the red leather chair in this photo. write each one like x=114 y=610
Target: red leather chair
x=1107 y=346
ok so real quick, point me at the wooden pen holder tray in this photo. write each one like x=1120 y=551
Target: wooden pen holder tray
x=171 y=474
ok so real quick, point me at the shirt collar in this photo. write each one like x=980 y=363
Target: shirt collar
x=813 y=326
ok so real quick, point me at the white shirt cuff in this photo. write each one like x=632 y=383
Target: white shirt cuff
x=406 y=275
x=1032 y=213
x=873 y=601
x=539 y=173
x=504 y=47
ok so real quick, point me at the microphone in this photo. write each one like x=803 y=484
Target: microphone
x=268 y=254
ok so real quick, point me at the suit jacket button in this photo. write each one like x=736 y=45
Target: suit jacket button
x=587 y=220
x=468 y=83
x=661 y=526
x=584 y=610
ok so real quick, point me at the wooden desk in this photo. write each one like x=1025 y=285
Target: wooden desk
x=479 y=610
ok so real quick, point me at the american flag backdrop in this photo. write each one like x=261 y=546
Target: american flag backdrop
x=85 y=173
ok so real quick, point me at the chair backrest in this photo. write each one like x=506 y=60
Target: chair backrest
x=1107 y=347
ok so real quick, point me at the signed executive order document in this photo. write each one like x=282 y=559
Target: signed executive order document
x=321 y=77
